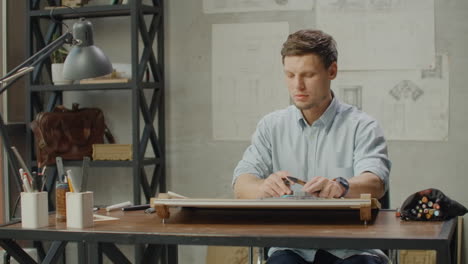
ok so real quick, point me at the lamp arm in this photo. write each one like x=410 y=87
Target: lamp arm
x=14 y=75
x=39 y=56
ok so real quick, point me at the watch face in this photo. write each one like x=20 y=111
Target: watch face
x=344 y=182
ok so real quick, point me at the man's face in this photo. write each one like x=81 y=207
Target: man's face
x=308 y=81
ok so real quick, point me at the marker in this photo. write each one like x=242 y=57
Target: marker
x=26 y=184
x=136 y=207
x=118 y=206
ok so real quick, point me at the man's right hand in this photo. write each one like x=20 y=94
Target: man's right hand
x=274 y=185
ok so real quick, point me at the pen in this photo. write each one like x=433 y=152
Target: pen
x=296 y=180
x=136 y=207
x=118 y=206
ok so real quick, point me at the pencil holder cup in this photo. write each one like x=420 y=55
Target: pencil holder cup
x=80 y=209
x=34 y=210
x=61 y=189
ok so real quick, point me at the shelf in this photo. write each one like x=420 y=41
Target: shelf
x=109 y=163
x=91 y=87
x=147 y=107
x=92 y=11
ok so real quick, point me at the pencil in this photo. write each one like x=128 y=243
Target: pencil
x=296 y=180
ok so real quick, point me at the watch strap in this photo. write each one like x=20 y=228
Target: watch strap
x=343 y=182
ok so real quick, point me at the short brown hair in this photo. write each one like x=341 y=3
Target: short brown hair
x=308 y=41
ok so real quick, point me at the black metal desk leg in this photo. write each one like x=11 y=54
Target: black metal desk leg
x=444 y=255
x=82 y=252
x=94 y=253
x=114 y=253
x=40 y=250
x=172 y=255
x=55 y=251
x=152 y=254
x=16 y=251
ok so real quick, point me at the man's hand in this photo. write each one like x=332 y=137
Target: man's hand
x=323 y=187
x=274 y=185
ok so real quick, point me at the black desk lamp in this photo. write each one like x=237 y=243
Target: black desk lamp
x=84 y=61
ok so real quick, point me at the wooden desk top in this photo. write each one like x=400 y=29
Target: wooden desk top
x=255 y=228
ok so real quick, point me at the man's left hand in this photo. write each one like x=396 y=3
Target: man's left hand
x=324 y=188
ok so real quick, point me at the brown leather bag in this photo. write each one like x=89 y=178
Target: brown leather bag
x=67 y=133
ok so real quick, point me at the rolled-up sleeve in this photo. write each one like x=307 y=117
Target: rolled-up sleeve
x=371 y=152
x=257 y=157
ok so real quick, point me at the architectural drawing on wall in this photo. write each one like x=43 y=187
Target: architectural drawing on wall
x=435 y=71
x=229 y=6
x=247 y=79
x=406 y=89
x=407 y=106
x=347 y=5
x=352 y=95
x=370 y=33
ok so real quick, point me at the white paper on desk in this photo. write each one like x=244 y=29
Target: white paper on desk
x=227 y=6
x=410 y=105
x=380 y=35
x=100 y=218
x=247 y=76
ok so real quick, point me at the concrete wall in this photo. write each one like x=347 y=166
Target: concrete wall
x=198 y=166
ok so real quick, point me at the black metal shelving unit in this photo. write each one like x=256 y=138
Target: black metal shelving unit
x=44 y=96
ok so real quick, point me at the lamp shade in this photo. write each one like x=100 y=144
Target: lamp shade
x=84 y=59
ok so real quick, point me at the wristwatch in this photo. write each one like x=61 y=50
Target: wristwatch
x=343 y=182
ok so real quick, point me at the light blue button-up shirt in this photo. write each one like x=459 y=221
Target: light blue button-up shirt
x=343 y=142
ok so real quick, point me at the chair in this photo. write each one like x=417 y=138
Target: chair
x=262 y=253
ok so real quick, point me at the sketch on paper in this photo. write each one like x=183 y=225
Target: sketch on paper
x=406 y=89
x=407 y=105
x=247 y=78
x=352 y=95
x=370 y=33
x=229 y=6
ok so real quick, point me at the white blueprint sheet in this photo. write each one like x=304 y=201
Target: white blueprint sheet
x=380 y=35
x=247 y=76
x=227 y=6
x=410 y=105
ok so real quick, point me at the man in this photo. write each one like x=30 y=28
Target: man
x=336 y=149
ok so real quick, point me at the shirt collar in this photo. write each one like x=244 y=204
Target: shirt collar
x=327 y=117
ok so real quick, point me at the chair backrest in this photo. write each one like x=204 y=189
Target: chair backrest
x=384 y=202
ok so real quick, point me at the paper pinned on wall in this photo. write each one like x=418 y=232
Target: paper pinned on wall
x=230 y=6
x=380 y=35
x=410 y=105
x=247 y=77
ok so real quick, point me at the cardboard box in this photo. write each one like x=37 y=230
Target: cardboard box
x=74 y=3
x=112 y=151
